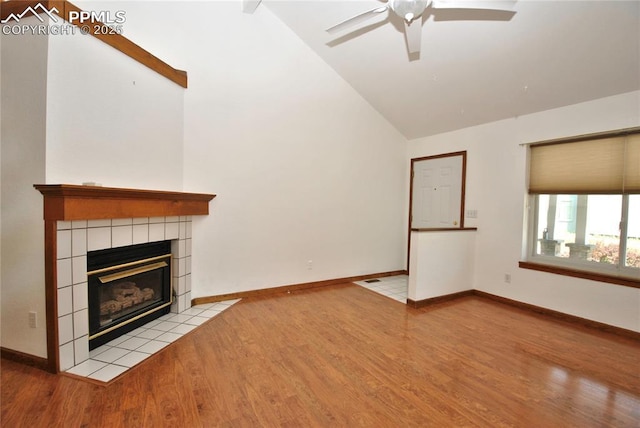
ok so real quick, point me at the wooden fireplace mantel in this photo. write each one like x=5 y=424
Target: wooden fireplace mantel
x=75 y=202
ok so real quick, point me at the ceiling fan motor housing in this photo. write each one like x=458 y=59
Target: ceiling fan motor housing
x=408 y=9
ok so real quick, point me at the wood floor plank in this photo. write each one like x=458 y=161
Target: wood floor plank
x=344 y=356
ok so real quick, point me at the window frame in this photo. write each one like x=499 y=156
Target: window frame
x=619 y=274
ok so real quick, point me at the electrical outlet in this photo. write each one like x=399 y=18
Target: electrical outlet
x=507 y=278
x=33 y=319
x=472 y=213
x=310 y=264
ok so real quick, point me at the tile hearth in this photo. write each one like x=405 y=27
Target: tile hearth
x=110 y=360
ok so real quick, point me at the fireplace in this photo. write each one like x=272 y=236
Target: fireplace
x=127 y=287
x=84 y=219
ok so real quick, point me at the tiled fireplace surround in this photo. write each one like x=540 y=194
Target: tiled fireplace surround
x=75 y=238
x=78 y=219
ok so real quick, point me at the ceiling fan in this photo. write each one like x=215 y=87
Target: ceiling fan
x=411 y=12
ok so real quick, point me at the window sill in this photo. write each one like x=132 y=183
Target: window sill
x=445 y=229
x=594 y=276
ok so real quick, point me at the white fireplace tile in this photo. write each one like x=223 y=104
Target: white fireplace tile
x=80 y=296
x=140 y=220
x=182 y=270
x=121 y=221
x=171 y=230
x=182 y=285
x=153 y=323
x=187 y=298
x=64 y=272
x=187 y=281
x=174 y=268
x=99 y=350
x=121 y=236
x=111 y=354
x=79 y=224
x=140 y=233
x=118 y=340
x=149 y=334
x=187 y=265
x=189 y=229
x=65 y=301
x=133 y=343
x=65 y=329
x=63 y=244
x=182 y=303
x=187 y=247
x=98 y=238
x=66 y=356
x=105 y=222
x=62 y=225
x=137 y=331
x=169 y=337
x=210 y=313
x=81 y=349
x=156 y=232
x=183 y=329
x=183 y=230
x=165 y=326
x=79 y=242
x=165 y=317
x=79 y=269
x=172 y=219
x=194 y=310
x=197 y=320
x=131 y=359
x=86 y=368
x=152 y=347
x=81 y=323
x=181 y=248
x=179 y=318
x=108 y=373
x=156 y=219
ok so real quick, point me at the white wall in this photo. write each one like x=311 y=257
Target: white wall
x=74 y=110
x=496 y=187
x=303 y=167
x=110 y=120
x=23 y=88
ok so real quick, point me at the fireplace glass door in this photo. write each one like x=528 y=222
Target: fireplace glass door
x=131 y=288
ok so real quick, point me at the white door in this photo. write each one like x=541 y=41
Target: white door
x=437 y=193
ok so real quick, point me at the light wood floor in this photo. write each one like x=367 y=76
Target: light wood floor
x=344 y=356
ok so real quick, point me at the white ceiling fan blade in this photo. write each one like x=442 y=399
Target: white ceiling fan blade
x=250 y=6
x=413 y=33
x=357 y=19
x=506 y=5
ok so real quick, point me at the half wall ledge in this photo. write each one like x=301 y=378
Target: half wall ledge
x=75 y=202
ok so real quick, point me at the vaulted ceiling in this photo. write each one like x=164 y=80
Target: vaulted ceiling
x=475 y=66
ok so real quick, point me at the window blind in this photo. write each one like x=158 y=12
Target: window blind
x=606 y=165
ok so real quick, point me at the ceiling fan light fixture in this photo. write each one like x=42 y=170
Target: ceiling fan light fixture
x=408 y=9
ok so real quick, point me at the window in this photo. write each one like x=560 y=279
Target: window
x=584 y=196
